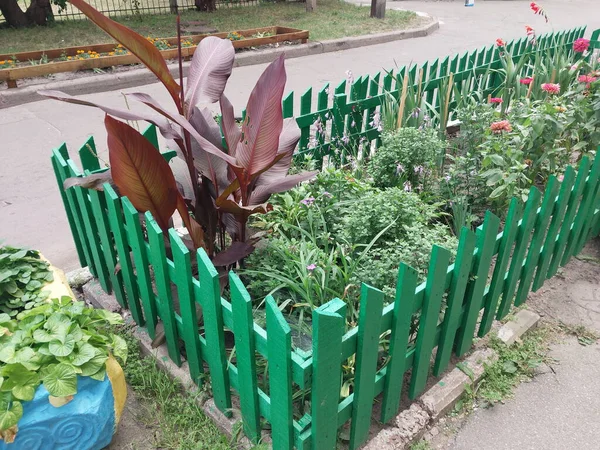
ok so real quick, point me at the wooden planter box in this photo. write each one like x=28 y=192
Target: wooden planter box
x=11 y=75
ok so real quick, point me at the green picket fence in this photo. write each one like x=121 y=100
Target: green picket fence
x=345 y=113
x=492 y=271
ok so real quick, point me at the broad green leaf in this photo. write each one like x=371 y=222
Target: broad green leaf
x=10 y=417
x=83 y=354
x=7 y=353
x=111 y=317
x=94 y=364
x=100 y=375
x=24 y=392
x=41 y=335
x=61 y=381
x=58 y=348
x=119 y=347
x=4 y=318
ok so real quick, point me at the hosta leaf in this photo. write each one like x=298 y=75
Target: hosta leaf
x=94 y=365
x=84 y=353
x=41 y=335
x=24 y=393
x=58 y=348
x=61 y=381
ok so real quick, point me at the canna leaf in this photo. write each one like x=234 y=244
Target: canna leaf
x=140 y=172
x=231 y=130
x=194 y=229
x=147 y=53
x=237 y=250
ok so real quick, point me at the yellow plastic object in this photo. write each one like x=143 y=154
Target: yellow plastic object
x=119 y=387
x=59 y=287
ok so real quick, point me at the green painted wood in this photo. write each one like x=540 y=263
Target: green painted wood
x=509 y=234
x=432 y=302
x=521 y=245
x=89 y=156
x=373 y=92
x=70 y=218
x=158 y=258
x=280 y=376
x=288 y=105
x=214 y=332
x=245 y=349
x=98 y=205
x=588 y=195
x=486 y=241
x=137 y=243
x=432 y=75
x=539 y=232
x=404 y=305
x=187 y=305
x=367 y=351
x=151 y=134
x=387 y=81
x=339 y=109
x=454 y=64
x=91 y=231
x=328 y=329
x=588 y=221
x=305 y=108
x=553 y=230
x=573 y=204
x=460 y=278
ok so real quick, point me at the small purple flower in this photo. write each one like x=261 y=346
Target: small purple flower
x=399 y=169
x=419 y=170
x=319 y=126
x=308 y=201
x=327 y=194
x=416 y=112
x=353 y=124
x=349 y=76
x=376 y=122
x=345 y=139
x=311 y=267
x=407 y=186
x=447 y=178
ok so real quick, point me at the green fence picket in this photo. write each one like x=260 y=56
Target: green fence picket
x=89 y=156
x=509 y=234
x=158 y=258
x=432 y=302
x=279 y=341
x=151 y=134
x=140 y=257
x=539 y=232
x=214 y=331
x=404 y=306
x=245 y=349
x=187 y=304
x=305 y=108
x=367 y=351
x=328 y=329
x=557 y=216
x=458 y=286
x=521 y=245
x=287 y=105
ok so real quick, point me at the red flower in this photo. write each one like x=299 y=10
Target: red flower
x=495 y=100
x=529 y=30
x=499 y=127
x=581 y=45
x=586 y=79
x=500 y=42
x=551 y=88
x=526 y=81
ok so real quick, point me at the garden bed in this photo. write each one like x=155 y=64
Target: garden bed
x=389 y=184
x=14 y=67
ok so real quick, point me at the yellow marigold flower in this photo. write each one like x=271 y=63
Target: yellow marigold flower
x=560 y=109
x=111 y=53
x=69 y=57
x=9 y=61
x=2 y=62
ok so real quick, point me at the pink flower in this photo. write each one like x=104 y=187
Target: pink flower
x=311 y=267
x=535 y=8
x=551 y=88
x=308 y=201
x=529 y=30
x=586 y=79
x=499 y=127
x=496 y=100
x=526 y=81
x=560 y=177
x=500 y=42
x=581 y=45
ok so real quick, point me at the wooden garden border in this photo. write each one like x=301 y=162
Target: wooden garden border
x=538 y=237
x=11 y=75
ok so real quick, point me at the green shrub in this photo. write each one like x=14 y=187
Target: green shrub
x=406 y=155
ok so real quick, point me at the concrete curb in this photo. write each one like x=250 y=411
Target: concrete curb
x=412 y=424
x=142 y=76
x=93 y=294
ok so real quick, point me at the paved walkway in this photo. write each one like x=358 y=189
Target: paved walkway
x=31 y=212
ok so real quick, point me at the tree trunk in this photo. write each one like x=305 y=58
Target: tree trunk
x=378 y=9
x=311 y=5
x=14 y=15
x=205 y=5
x=173 y=7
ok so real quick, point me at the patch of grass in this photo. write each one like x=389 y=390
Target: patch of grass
x=584 y=335
x=332 y=19
x=166 y=407
x=421 y=445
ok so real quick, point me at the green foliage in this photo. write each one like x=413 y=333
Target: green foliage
x=22 y=276
x=51 y=345
x=406 y=155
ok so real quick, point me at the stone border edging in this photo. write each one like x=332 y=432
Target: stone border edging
x=142 y=76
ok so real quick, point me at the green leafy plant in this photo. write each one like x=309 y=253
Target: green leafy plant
x=52 y=345
x=22 y=276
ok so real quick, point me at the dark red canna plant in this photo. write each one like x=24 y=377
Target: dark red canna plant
x=225 y=183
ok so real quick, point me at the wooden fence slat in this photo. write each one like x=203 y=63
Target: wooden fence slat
x=70 y=218
x=400 y=334
x=288 y=105
x=458 y=286
x=88 y=155
x=280 y=376
x=305 y=108
x=328 y=330
x=588 y=195
x=151 y=134
x=367 y=352
x=245 y=348
x=573 y=203
x=557 y=215
x=521 y=245
x=509 y=235
x=140 y=257
x=588 y=221
x=108 y=247
x=187 y=305
x=214 y=333
x=163 y=287
x=432 y=302
x=486 y=241
x=540 y=228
